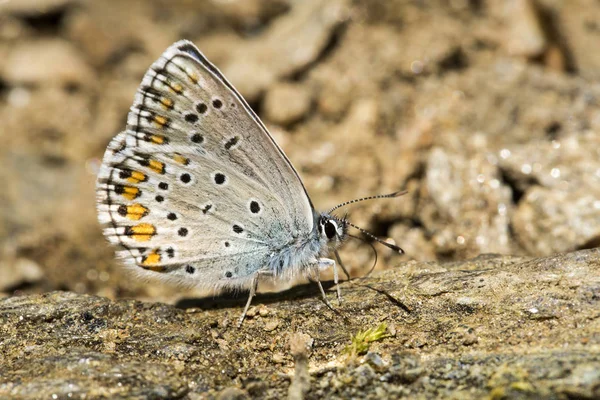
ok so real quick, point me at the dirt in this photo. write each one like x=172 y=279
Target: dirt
x=495 y=326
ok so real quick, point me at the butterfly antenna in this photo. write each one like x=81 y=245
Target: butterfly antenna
x=379 y=196
x=340 y=263
x=374 y=261
x=369 y=234
x=374 y=251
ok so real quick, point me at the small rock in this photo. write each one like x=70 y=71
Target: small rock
x=252 y=311
x=462 y=336
x=555 y=59
x=470 y=339
x=179 y=351
x=46 y=62
x=278 y=358
x=364 y=375
x=11 y=29
x=263 y=310
x=223 y=344
x=543 y=308
x=287 y=103
x=468 y=301
x=526 y=35
x=375 y=360
x=271 y=325
x=19 y=271
x=392 y=329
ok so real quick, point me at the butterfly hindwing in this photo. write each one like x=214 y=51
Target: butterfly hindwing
x=195 y=188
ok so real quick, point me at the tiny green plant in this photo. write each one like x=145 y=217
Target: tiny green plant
x=362 y=340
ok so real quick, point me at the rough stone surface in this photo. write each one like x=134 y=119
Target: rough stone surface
x=465 y=203
x=565 y=219
x=558 y=182
x=493 y=326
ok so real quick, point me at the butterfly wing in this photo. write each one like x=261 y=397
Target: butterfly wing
x=195 y=189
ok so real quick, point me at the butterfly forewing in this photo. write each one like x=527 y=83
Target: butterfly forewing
x=195 y=188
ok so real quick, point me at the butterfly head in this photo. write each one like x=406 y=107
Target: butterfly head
x=332 y=230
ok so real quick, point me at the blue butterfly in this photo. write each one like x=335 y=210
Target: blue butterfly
x=196 y=192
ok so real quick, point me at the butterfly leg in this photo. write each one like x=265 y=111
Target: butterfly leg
x=336 y=277
x=321 y=265
x=253 y=288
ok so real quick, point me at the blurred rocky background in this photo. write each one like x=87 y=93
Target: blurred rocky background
x=487 y=112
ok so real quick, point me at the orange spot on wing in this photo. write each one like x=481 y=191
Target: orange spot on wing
x=167 y=103
x=136 y=212
x=137 y=177
x=181 y=159
x=158 y=139
x=157 y=166
x=142 y=232
x=176 y=87
x=129 y=192
x=193 y=76
x=160 y=120
x=151 y=260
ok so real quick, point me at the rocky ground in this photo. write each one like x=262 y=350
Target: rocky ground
x=494 y=326
x=486 y=112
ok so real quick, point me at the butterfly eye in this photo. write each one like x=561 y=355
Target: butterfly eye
x=330 y=229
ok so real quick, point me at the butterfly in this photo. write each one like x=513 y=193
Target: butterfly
x=196 y=192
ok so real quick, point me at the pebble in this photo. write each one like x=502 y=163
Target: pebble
x=19 y=271
x=263 y=311
x=526 y=36
x=287 y=103
x=375 y=361
x=46 y=62
x=271 y=325
x=278 y=358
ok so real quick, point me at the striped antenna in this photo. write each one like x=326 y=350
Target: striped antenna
x=379 y=196
x=369 y=234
